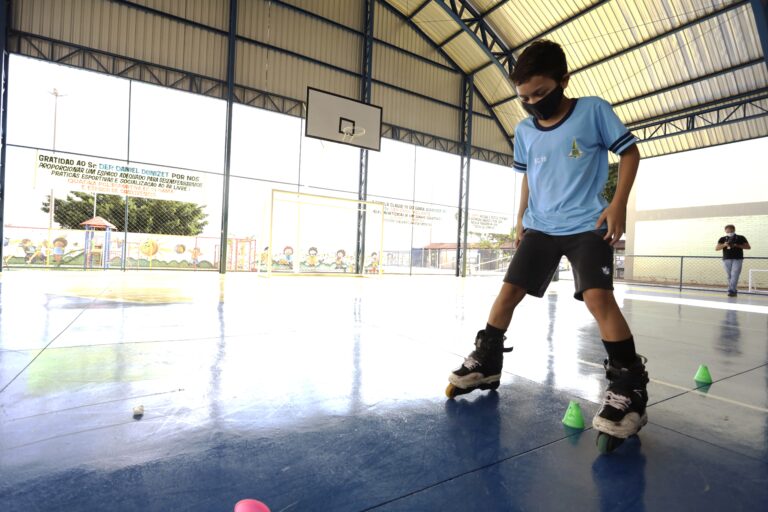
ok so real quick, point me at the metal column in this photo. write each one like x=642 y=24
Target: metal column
x=467 y=86
x=365 y=96
x=228 y=143
x=5 y=7
x=760 y=10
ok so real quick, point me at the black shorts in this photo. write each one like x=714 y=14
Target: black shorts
x=539 y=254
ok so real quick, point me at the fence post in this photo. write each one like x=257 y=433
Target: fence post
x=681 y=272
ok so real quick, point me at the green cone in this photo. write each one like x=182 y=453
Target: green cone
x=573 y=417
x=702 y=375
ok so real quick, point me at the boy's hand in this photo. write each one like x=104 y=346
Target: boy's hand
x=616 y=217
x=519 y=234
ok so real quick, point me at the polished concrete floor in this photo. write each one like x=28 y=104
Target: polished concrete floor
x=324 y=393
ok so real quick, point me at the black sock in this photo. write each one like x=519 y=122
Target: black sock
x=621 y=353
x=494 y=332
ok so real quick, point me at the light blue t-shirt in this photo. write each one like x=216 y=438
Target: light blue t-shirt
x=567 y=166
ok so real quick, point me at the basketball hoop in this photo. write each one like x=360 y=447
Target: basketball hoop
x=350 y=133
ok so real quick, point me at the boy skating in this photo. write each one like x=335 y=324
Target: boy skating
x=562 y=150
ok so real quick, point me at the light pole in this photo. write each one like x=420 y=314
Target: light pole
x=56 y=95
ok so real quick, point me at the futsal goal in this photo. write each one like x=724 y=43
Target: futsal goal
x=317 y=234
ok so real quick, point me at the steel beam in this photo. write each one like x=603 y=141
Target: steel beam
x=493 y=9
x=426 y=140
x=691 y=81
x=467 y=87
x=36 y=47
x=5 y=7
x=663 y=35
x=760 y=12
x=231 y=56
x=438 y=47
x=471 y=20
x=419 y=9
x=646 y=42
x=703 y=117
x=569 y=19
x=365 y=96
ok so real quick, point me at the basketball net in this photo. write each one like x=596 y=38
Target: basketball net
x=350 y=133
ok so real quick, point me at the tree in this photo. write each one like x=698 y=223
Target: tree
x=494 y=240
x=610 y=185
x=153 y=216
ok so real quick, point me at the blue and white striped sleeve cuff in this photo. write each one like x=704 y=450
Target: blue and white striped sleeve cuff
x=623 y=143
x=519 y=167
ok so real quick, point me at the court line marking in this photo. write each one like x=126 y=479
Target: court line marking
x=694 y=390
x=95 y=404
x=714 y=294
x=747 y=308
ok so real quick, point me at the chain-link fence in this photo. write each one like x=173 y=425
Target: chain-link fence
x=693 y=272
x=89 y=231
x=443 y=261
x=705 y=272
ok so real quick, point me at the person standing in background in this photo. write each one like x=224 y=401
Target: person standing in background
x=733 y=246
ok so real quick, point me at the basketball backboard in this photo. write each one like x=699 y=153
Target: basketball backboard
x=346 y=121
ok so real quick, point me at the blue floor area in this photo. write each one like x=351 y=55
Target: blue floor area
x=327 y=394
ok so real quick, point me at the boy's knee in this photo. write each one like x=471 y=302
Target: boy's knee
x=511 y=294
x=599 y=301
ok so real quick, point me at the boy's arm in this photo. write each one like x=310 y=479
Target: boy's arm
x=521 y=210
x=616 y=213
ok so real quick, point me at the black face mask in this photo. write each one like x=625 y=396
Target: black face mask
x=546 y=106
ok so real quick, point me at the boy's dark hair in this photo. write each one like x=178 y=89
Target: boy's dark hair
x=544 y=58
x=731 y=226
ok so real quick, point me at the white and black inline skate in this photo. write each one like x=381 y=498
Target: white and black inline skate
x=481 y=369
x=623 y=413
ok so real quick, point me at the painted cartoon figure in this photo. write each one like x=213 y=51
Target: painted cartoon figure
x=59 y=245
x=6 y=256
x=29 y=250
x=265 y=257
x=149 y=248
x=195 y=252
x=43 y=252
x=373 y=266
x=340 y=264
x=312 y=259
x=287 y=257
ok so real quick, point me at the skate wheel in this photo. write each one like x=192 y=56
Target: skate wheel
x=606 y=443
x=453 y=391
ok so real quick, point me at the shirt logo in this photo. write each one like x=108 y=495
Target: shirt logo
x=539 y=161
x=575 y=151
x=606 y=270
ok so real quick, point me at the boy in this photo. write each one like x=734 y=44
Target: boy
x=562 y=151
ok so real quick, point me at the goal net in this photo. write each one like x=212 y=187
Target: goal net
x=311 y=234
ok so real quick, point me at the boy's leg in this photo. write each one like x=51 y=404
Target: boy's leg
x=622 y=413
x=602 y=304
x=623 y=410
x=530 y=272
x=506 y=301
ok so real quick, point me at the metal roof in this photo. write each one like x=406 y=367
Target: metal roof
x=682 y=74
